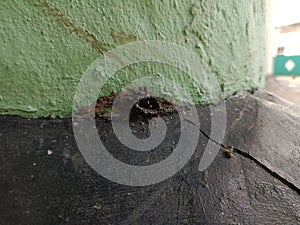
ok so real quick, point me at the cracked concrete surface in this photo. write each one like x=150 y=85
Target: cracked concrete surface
x=258 y=185
x=232 y=150
x=272 y=136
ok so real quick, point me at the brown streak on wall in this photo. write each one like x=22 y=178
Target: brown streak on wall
x=49 y=9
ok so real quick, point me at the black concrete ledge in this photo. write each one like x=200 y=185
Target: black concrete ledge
x=45 y=180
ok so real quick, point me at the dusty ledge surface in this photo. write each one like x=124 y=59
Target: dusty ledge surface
x=45 y=180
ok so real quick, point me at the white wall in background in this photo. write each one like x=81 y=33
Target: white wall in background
x=281 y=13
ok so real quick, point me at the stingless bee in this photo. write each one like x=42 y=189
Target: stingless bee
x=228 y=151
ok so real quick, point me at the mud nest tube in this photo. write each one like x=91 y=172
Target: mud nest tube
x=148 y=106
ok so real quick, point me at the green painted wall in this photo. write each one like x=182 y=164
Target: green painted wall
x=45 y=46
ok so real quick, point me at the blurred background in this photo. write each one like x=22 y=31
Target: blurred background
x=283 y=49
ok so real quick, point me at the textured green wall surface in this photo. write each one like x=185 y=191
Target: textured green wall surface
x=45 y=46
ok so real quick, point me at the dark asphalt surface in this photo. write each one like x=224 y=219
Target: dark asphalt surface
x=45 y=179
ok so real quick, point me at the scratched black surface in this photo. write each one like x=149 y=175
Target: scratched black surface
x=61 y=188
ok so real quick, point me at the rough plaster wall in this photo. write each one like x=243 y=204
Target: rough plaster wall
x=45 y=47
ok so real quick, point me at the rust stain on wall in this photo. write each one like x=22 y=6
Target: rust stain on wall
x=122 y=38
x=51 y=10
